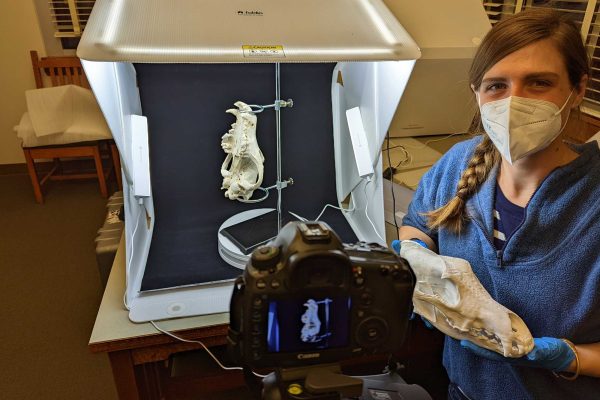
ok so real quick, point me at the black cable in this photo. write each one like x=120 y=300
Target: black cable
x=407 y=158
x=393 y=147
x=392 y=183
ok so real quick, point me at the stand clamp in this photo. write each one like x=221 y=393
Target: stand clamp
x=279 y=185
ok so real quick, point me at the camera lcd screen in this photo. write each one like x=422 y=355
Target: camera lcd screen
x=308 y=323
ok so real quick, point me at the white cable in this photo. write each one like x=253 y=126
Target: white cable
x=131 y=255
x=367 y=210
x=337 y=208
x=301 y=218
x=432 y=140
x=408 y=159
x=125 y=299
x=204 y=347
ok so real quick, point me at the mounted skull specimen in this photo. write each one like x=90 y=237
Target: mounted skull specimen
x=242 y=169
x=450 y=296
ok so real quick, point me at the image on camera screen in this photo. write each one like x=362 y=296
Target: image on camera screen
x=309 y=323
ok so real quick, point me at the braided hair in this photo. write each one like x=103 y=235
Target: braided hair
x=451 y=215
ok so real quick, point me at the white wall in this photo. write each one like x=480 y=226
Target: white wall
x=20 y=33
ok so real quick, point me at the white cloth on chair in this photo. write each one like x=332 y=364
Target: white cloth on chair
x=26 y=133
x=61 y=115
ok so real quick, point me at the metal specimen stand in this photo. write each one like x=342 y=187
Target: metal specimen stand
x=277 y=105
x=233 y=246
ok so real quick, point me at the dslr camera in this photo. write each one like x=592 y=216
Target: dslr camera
x=305 y=298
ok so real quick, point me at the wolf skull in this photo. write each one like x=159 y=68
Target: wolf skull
x=242 y=169
x=450 y=296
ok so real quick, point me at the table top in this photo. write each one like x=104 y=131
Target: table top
x=414 y=156
x=114 y=331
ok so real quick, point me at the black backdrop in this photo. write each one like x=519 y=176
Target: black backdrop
x=185 y=105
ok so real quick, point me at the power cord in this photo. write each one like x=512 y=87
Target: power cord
x=369 y=180
x=342 y=209
x=205 y=348
x=408 y=159
x=141 y=204
x=423 y=145
x=392 y=186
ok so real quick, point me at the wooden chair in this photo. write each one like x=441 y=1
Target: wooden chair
x=65 y=71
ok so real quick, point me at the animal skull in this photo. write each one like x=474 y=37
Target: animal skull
x=242 y=169
x=450 y=296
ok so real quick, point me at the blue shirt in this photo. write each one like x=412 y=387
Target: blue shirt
x=548 y=271
x=507 y=217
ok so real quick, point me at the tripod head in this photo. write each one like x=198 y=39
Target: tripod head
x=320 y=382
x=326 y=382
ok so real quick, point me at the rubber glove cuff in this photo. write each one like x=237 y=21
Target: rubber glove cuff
x=428 y=324
x=549 y=353
x=396 y=244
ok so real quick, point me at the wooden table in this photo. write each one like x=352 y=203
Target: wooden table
x=139 y=354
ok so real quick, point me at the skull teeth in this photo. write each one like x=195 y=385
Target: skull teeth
x=449 y=294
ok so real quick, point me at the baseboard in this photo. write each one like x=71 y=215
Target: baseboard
x=13 y=169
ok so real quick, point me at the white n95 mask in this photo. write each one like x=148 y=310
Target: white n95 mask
x=519 y=126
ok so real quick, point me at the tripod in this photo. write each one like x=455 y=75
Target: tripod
x=326 y=382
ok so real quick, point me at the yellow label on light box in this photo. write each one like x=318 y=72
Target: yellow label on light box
x=275 y=51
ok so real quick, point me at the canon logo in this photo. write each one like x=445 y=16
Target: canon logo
x=308 y=355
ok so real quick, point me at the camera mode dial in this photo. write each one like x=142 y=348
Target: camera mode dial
x=265 y=258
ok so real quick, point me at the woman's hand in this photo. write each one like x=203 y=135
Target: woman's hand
x=549 y=353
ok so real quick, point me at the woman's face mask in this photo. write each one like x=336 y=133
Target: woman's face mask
x=520 y=126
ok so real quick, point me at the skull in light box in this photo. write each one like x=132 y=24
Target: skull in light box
x=242 y=169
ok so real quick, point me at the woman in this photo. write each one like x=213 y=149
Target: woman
x=523 y=207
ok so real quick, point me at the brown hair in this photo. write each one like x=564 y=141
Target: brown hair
x=506 y=37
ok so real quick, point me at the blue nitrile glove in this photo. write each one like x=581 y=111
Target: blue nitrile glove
x=548 y=353
x=396 y=248
x=396 y=244
x=425 y=321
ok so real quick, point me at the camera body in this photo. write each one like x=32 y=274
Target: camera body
x=305 y=298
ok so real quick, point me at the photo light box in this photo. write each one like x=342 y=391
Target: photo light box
x=165 y=75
